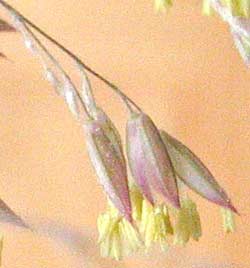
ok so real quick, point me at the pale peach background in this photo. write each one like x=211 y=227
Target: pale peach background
x=182 y=68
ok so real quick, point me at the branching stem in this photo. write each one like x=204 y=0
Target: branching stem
x=128 y=101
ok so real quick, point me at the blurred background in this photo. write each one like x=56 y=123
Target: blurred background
x=181 y=68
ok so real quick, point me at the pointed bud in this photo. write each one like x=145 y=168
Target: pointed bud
x=149 y=161
x=194 y=173
x=110 y=166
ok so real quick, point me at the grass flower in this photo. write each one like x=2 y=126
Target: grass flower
x=196 y=176
x=149 y=160
x=109 y=165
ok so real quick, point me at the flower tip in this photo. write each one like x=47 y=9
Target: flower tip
x=233 y=209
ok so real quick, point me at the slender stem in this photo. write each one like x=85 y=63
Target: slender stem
x=124 y=97
x=56 y=64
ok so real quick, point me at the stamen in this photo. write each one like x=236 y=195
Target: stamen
x=181 y=227
x=194 y=219
x=116 y=247
x=228 y=220
x=132 y=239
x=137 y=201
x=188 y=223
x=163 y=5
x=155 y=225
x=238 y=8
x=206 y=8
x=117 y=237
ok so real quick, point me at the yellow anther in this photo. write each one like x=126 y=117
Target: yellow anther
x=155 y=225
x=117 y=237
x=163 y=5
x=181 y=227
x=194 y=218
x=116 y=243
x=169 y=227
x=103 y=225
x=136 y=199
x=187 y=223
x=162 y=226
x=228 y=220
x=245 y=8
x=147 y=210
x=109 y=233
x=239 y=8
x=206 y=8
x=107 y=227
x=149 y=231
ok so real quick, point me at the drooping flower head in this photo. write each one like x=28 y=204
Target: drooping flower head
x=162 y=223
x=157 y=160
